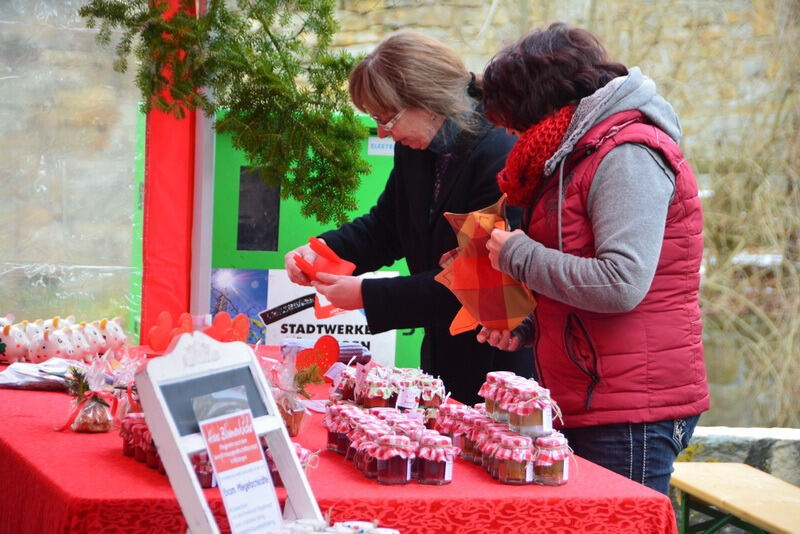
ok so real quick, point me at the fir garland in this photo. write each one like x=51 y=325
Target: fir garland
x=268 y=65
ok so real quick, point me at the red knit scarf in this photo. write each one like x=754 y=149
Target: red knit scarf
x=525 y=164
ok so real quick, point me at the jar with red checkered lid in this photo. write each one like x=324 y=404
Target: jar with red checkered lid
x=436 y=457
x=551 y=461
x=515 y=459
x=378 y=393
x=489 y=388
x=531 y=412
x=394 y=454
x=433 y=392
x=505 y=396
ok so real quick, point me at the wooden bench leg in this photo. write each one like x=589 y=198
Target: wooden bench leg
x=718 y=519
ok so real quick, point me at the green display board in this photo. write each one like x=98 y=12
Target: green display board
x=277 y=226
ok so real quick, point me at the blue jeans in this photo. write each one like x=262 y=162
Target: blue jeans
x=642 y=452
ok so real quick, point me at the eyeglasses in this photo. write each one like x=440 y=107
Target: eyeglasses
x=391 y=124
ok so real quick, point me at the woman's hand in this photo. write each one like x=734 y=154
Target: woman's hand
x=496 y=241
x=501 y=339
x=295 y=274
x=342 y=291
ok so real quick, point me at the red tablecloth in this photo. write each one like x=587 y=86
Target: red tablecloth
x=52 y=482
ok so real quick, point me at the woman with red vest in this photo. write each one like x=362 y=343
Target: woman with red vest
x=612 y=249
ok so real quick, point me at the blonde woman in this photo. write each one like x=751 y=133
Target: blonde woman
x=446 y=158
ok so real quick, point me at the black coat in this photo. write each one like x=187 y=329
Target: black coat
x=400 y=225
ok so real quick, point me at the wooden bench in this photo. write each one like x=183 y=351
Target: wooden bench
x=735 y=494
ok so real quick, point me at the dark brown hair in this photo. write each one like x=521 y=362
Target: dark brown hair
x=544 y=71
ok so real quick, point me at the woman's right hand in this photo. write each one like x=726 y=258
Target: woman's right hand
x=501 y=339
x=295 y=274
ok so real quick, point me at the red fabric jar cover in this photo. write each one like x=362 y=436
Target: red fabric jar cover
x=551 y=449
x=391 y=445
x=516 y=448
x=437 y=449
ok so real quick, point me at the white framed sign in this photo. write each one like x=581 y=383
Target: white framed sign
x=198 y=366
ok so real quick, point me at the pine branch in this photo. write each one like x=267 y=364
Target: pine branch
x=294 y=121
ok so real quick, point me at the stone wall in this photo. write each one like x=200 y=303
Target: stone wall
x=729 y=68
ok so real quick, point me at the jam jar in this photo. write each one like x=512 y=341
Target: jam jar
x=505 y=396
x=394 y=454
x=490 y=387
x=515 y=460
x=347 y=384
x=551 y=463
x=456 y=426
x=436 y=457
x=378 y=393
x=126 y=431
x=531 y=413
x=152 y=458
x=476 y=436
x=338 y=427
x=461 y=436
x=433 y=392
x=371 y=432
x=139 y=444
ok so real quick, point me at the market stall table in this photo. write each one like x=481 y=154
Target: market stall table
x=63 y=482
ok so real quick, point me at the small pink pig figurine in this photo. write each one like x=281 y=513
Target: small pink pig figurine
x=55 y=344
x=14 y=344
x=112 y=332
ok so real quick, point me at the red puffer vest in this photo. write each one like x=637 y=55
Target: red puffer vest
x=644 y=365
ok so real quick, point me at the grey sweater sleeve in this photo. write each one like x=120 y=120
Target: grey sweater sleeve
x=627 y=205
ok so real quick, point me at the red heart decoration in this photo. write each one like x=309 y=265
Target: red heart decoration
x=240 y=327
x=324 y=353
x=185 y=322
x=219 y=326
x=159 y=336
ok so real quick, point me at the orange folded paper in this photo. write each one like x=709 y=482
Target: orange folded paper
x=488 y=297
x=327 y=261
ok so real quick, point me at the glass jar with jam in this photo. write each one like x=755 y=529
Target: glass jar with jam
x=515 y=460
x=126 y=431
x=433 y=392
x=366 y=445
x=151 y=453
x=455 y=427
x=436 y=457
x=496 y=434
x=489 y=389
x=139 y=444
x=393 y=454
x=462 y=435
x=413 y=430
x=551 y=462
x=338 y=427
x=378 y=393
x=531 y=413
x=345 y=389
x=202 y=469
x=476 y=436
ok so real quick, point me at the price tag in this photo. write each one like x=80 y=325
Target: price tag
x=335 y=373
x=361 y=378
x=408 y=398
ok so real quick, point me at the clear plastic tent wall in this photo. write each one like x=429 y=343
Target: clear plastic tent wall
x=71 y=165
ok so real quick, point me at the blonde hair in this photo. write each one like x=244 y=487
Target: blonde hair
x=413 y=70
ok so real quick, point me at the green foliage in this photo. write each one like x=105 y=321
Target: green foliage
x=76 y=381
x=268 y=63
x=305 y=376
